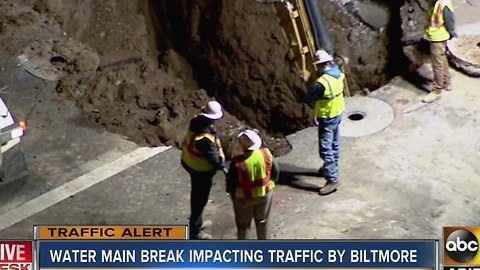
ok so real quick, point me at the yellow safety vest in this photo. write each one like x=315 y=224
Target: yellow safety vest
x=436 y=30
x=191 y=156
x=332 y=103
x=254 y=174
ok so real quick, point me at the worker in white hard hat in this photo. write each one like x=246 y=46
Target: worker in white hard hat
x=202 y=157
x=327 y=94
x=250 y=182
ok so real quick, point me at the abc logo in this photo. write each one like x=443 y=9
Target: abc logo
x=461 y=246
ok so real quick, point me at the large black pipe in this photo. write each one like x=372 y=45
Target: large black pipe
x=321 y=36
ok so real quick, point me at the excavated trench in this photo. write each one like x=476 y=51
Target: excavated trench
x=237 y=52
x=156 y=56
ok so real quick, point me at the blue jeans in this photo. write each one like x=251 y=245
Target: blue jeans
x=329 y=146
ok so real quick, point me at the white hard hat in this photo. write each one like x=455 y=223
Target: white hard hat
x=253 y=137
x=321 y=56
x=213 y=110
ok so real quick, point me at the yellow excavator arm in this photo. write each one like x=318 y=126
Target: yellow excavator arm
x=296 y=27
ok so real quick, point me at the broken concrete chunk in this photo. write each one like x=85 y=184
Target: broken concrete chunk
x=464 y=52
x=373 y=15
x=56 y=58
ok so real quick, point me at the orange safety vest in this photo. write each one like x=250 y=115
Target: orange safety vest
x=191 y=156
x=255 y=173
x=437 y=31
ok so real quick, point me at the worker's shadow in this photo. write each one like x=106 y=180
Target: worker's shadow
x=419 y=76
x=417 y=80
x=291 y=175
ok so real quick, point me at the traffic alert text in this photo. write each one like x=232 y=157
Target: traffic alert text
x=239 y=256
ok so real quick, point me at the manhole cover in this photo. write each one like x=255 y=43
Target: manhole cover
x=53 y=59
x=464 y=51
x=365 y=116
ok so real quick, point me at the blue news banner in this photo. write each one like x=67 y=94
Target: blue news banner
x=230 y=254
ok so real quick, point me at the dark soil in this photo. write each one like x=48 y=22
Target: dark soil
x=239 y=54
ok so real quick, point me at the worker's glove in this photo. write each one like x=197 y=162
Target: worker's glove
x=289 y=6
x=225 y=171
x=315 y=120
x=453 y=35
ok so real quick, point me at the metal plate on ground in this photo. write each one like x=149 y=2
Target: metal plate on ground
x=365 y=116
x=464 y=51
x=53 y=59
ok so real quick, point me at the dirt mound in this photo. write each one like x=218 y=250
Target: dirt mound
x=130 y=94
x=131 y=102
x=145 y=103
x=464 y=52
x=14 y=16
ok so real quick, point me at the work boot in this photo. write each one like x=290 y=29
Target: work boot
x=431 y=97
x=202 y=236
x=206 y=224
x=329 y=188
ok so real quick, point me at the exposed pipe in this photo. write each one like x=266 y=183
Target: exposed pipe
x=321 y=36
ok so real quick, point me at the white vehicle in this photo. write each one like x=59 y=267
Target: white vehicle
x=12 y=161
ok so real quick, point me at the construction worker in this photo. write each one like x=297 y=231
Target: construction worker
x=327 y=93
x=250 y=182
x=441 y=28
x=202 y=157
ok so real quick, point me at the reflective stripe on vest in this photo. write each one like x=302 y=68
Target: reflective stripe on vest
x=191 y=156
x=436 y=30
x=254 y=173
x=332 y=103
